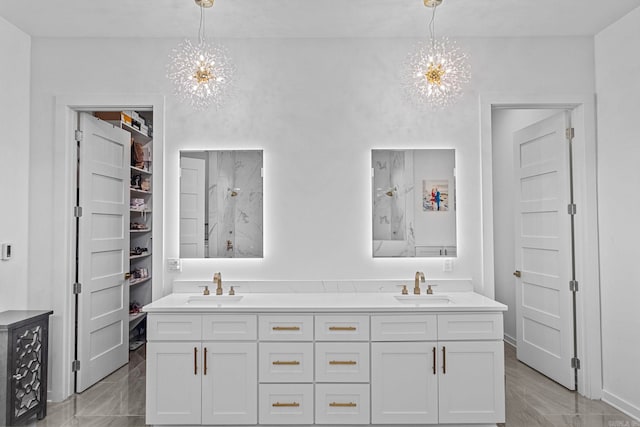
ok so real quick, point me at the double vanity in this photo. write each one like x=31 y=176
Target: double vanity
x=325 y=358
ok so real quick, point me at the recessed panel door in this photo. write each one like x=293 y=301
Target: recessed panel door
x=103 y=250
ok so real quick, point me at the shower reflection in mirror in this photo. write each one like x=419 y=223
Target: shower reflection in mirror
x=221 y=203
x=414 y=208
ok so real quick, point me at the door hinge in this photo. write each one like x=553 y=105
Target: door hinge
x=75 y=366
x=573 y=285
x=575 y=363
x=569 y=133
x=77 y=211
x=572 y=209
x=77 y=288
x=78 y=135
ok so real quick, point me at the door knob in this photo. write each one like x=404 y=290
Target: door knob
x=517 y=273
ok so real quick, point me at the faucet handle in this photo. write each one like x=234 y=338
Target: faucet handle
x=206 y=290
x=429 y=290
x=232 y=291
x=405 y=291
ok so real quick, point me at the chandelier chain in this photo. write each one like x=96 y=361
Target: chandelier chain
x=201 y=30
x=432 y=25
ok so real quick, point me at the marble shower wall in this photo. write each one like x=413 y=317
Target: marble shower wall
x=389 y=201
x=235 y=225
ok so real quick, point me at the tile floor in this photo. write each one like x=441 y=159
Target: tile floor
x=532 y=401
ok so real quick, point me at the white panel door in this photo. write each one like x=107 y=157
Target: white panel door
x=103 y=250
x=230 y=383
x=192 y=195
x=174 y=382
x=471 y=382
x=404 y=383
x=544 y=311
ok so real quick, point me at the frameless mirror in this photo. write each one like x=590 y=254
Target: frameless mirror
x=414 y=203
x=221 y=204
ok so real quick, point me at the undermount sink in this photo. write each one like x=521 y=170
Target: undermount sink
x=213 y=299
x=423 y=299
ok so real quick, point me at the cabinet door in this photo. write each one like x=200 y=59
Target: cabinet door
x=471 y=377
x=404 y=387
x=230 y=383
x=173 y=383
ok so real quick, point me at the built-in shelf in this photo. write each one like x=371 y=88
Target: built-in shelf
x=135 y=318
x=135 y=169
x=140 y=210
x=146 y=230
x=143 y=255
x=138 y=281
x=138 y=191
x=141 y=135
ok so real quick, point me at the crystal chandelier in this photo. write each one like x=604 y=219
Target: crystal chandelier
x=438 y=69
x=201 y=73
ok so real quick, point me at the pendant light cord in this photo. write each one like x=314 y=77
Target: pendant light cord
x=432 y=26
x=201 y=33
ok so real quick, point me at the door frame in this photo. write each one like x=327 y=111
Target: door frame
x=64 y=179
x=583 y=115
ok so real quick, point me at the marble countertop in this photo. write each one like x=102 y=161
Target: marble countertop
x=324 y=302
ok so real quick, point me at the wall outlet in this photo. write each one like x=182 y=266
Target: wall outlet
x=174 y=264
x=448 y=265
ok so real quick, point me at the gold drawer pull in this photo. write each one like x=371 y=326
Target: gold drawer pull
x=343 y=362
x=343 y=405
x=280 y=405
x=342 y=328
x=285 y=362
x=286 y=328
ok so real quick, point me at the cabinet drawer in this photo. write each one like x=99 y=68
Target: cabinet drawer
x=419 y=327
x=342 y=328
x=342 y=404
x=479 y=326
x=286 y=404
x=229 y=328
x=286 y=362
x=342 y=362
x=179 y=327
x=286 y=328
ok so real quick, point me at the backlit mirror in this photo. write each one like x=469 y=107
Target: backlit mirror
x=414 y=203
x=221 y=204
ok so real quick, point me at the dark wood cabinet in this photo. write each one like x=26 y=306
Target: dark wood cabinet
x=24 y=336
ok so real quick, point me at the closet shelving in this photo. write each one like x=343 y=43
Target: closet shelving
x=139 y=125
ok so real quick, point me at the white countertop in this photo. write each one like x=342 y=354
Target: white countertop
x=324 y=302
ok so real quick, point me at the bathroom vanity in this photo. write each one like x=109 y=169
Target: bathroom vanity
x=376 y=358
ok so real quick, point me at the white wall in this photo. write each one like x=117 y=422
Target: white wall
x=15 y=57
x=618 y=89
x=504 y=122
x=316 y=107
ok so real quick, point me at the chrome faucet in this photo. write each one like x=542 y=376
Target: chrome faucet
x=217 y=279
x=419 y=277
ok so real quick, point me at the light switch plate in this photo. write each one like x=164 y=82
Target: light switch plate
x=448 y=265
x=7 y=249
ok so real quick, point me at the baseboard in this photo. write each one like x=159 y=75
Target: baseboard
x=621 y=404
x=510 y=340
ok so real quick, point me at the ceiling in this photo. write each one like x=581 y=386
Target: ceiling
x=313 y=18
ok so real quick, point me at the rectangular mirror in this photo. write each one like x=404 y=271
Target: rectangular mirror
x=221 y=204
x=414 y=203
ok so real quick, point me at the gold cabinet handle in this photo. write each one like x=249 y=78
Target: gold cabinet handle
x=286 y=328
x=288 y=404
x=434 y=360
x=195 y=360
x=127 y=275
x=517 y=273
x=444 y=360
x=342 y=362
x=342 y=328
x=343 y=405
x=285 y=362
x=205 y=360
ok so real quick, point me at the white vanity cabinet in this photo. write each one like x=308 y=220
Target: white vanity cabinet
x=211 y=381
x=420 y=377
x=297 y=367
